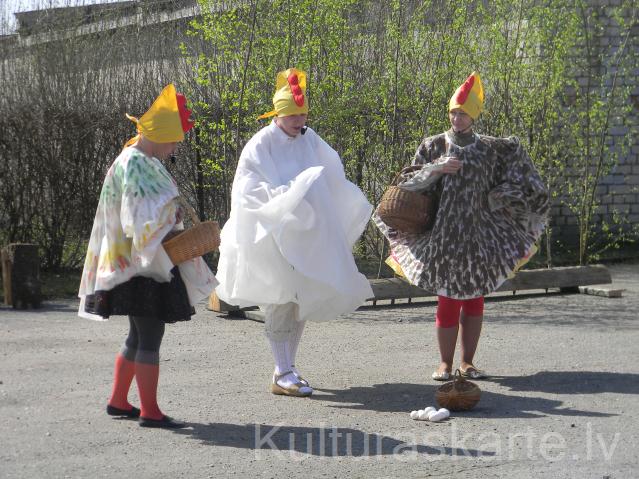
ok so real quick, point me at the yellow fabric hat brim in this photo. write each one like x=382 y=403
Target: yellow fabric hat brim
x=474 y=103
x=283 y=101
x=471 y=106
x=161 y=123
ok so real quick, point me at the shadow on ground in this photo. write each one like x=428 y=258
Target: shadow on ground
x=404 y=397
x=572 y=382
x=45 y=307
x=319 y=441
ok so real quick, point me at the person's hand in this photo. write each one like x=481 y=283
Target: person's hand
x=179 y=215
x=448 y=165
x=171 y=234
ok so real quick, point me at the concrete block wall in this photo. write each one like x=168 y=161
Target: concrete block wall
x=618 y=191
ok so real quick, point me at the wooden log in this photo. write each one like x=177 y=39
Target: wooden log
x=605 y=292
x=21 y=275
x=395 y=288
x=219 y=306
x=6 y=277
x=252 y=314
x=567 y=279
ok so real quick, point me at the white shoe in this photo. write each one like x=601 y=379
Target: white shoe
x=295 y=389
x=299 y=376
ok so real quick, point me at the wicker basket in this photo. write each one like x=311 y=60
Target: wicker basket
x=407 y=211
x=203 y=237
x=458 y=394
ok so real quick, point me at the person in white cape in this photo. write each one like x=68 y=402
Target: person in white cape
x=287 y=245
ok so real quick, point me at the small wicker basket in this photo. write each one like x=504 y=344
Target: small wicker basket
x=203 y=237
x=458 y=394
x=407 y=211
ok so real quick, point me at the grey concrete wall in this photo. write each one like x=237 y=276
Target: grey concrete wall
x=618 y=191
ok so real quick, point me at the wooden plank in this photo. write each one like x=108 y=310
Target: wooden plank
x=21 y=275
x=395 y=288
x=568 y=279
x=217 y=305
x=253 y=314
x=605 y=292
x=563 y=278
x=6 y=277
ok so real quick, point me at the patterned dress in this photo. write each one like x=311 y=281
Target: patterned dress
x=491 y=212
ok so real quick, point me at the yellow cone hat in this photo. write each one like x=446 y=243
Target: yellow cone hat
x=469 y=96
x=167 y=119
x=290 y=94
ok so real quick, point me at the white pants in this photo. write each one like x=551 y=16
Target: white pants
x=281 y=321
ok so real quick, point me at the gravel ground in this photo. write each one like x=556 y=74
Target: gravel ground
x=562 y=401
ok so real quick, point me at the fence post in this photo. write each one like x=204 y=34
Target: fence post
x=21 y=275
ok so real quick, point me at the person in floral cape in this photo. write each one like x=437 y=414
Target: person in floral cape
x=127 y=272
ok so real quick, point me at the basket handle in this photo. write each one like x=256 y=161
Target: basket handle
x=458 y=378
x=407 y=169
x=185 y=204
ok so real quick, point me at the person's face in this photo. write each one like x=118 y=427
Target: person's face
x=292 y=124
x=460 y=120
x=164 y=150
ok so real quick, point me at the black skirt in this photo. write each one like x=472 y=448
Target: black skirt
x=140 y=296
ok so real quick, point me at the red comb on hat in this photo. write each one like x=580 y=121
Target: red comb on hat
x=298 y=94
x=464 y=91
x=185 y=113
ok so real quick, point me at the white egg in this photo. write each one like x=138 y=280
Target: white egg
x=414 y=414
x=429 y=409
x=445 y=411
x=436 y=416
x=423 y=415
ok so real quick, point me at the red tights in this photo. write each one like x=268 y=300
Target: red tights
x=448 y=310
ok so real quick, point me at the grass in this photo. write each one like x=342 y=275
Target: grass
x=60 y=285
x=55 y=285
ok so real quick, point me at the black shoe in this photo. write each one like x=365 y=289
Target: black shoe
x=166 y=423
x=133 y=413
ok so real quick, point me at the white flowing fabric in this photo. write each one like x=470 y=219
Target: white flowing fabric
x=294 y=220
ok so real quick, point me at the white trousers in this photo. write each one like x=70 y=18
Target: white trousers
x=281 y=321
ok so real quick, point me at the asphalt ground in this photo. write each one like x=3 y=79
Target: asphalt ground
x=562 y=400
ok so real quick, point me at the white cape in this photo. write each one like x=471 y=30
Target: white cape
x=293 y=223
